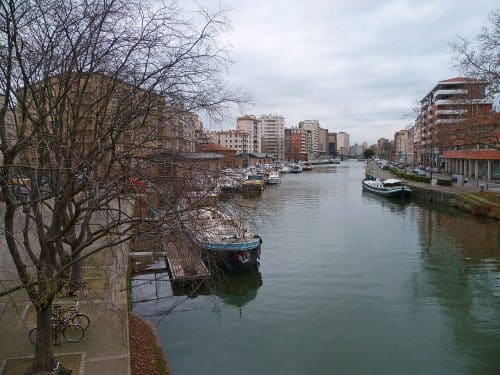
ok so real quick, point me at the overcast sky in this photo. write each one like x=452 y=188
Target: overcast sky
x=358 y=66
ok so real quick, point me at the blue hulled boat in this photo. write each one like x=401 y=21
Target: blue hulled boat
x=225 y=240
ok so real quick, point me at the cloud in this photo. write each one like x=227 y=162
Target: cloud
x=356 y=66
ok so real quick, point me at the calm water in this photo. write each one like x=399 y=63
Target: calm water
x=349 y=283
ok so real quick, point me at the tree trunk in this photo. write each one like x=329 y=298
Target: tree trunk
x=44 y=355
x=76 y=277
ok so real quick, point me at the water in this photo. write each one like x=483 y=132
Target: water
x=349 y=283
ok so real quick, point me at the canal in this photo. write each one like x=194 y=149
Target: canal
x=349 y=283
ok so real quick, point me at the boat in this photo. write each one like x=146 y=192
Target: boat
x=387 y=188
x=296 y=168
x=253 y=185
x=226 y=242
x=273 y=178
x=307 y=166
x=285 y=169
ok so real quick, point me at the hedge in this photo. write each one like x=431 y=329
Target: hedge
x=411 y=177
x=441 y=182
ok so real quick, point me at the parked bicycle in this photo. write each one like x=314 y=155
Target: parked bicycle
x=69 y=322
x=72 y=312
x=71 y=332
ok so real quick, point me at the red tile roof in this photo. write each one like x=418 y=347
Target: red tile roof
x=210 y=147
x=458 y=79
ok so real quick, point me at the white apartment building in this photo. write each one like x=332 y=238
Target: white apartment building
x=313 y=126
x=252 y=126
x=273 y=135
x=232 y=139
x=343 y=143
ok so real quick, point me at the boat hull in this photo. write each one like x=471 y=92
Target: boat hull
x=231 y=257
x=395 y=192
x=233 y=254
x=273 y=181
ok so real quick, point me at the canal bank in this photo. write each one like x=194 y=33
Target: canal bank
x=471 y=199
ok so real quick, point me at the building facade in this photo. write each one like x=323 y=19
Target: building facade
x=331 y=140
x=402 y=150
x=313 y=126
x=343 y=143
x=273 y=135
x=459 y=129
x=251 y=125
x=298 y=144
x=233 y=139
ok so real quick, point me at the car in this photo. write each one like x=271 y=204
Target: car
x=419 y=172
x=456 y=177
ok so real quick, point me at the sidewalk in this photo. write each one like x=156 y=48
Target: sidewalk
x=105 y=347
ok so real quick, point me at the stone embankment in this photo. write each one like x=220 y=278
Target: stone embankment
x=470 y=198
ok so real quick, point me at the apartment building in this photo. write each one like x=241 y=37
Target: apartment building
x=273 y=135
x=251 y=125
x=238 y=140
x=343 y=143
x=402 y=149
x=107 y=126
x=458 y=129
x=298 y=144
x=331 y=140
x=313 y=126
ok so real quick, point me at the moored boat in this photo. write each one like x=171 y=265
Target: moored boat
x=285 y=169
x=273 y=178
x=387 y=188
x=307 y=166
x=296 y=168
x=227 y=242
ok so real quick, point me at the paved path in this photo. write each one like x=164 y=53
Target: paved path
x=105 y=348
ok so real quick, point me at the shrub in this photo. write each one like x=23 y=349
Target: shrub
x=442 y=182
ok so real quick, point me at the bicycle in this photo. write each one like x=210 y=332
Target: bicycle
x=60 y=325
x=76 y=317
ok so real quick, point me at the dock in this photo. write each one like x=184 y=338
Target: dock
x=184 y=262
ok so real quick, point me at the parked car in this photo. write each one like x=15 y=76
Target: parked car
x=419 y=172
x=456 y=177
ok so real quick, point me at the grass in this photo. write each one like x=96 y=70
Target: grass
x=478 y=204
x=160 y=362
x=489 y=196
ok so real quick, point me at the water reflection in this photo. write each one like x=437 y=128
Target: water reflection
x=240 y=288
x=460 y=261
x=393 y=204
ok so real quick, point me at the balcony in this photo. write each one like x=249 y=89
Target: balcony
x=451 y=111
x=450 y=101
x=449 y=120
x=450 y=92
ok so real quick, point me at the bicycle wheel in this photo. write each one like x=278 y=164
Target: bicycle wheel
x=32 y=335
x=81 y=320
x=73 y=333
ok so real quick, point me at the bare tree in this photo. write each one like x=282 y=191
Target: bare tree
x=92 y=90
x=479 y=59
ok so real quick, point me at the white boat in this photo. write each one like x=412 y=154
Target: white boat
x=285 y=169
x=296 y=168
x=387 y=188
x=273 y=178
x=307 y=166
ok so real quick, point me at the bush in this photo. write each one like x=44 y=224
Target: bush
x=442 y=182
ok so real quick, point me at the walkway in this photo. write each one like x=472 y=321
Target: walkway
x=105 y=347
